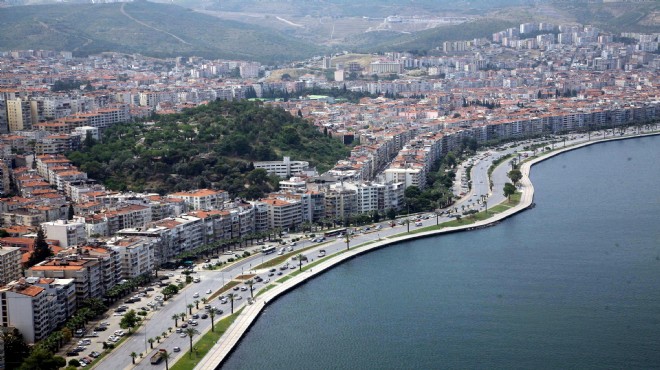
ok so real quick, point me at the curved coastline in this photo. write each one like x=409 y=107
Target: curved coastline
x=221 y=350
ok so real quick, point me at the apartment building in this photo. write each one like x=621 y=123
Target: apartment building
x=87 y=274
x=137 y=255
x=67 y=233
x=285 y=168
x=283 y=213
x=27 y=308
x=203 y=199
x=10 y=264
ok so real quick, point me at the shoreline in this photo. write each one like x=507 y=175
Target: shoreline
x=225 y=346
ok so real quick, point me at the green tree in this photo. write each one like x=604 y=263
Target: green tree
x=190 y=332
x=42 y=359
x=300 y=257
x=129 y=320
x=231 y=297
x=391 y=214
x=515 y=175
x=41 y=249
x=133 y=357
x=212 y=313
x=151 y=342
x=250 y=283
x=70 y=213
x=509 y=190
x=190 y=307
x=16 y=350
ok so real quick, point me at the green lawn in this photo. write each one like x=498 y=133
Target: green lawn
x=283 y=258
x=265 y=289
x=204 y=344
x=225 y=288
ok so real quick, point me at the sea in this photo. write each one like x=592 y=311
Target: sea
x=573 y=283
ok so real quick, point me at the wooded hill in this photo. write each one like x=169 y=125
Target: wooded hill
x=212 y=145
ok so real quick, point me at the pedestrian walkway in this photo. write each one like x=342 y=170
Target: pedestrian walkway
x=250 y=313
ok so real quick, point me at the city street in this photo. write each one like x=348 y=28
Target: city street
x=160 y=321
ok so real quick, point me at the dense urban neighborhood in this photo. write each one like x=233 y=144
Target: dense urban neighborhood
x=80 y=220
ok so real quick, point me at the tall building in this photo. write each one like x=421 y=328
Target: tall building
x=21 y=115
x=10 y=264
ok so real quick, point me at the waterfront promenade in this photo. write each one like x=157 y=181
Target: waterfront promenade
x=251 y=312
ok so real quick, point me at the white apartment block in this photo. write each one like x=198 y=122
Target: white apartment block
x=137 y=255
x=203 y=199
x=27 y=308
x=68 y=233
x=10 y=264
x=285 y=168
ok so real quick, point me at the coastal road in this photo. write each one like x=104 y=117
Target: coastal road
x=160 y=321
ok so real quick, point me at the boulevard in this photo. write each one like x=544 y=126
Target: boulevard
x=159 y=321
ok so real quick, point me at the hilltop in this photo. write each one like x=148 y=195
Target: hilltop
x=152 y=29
x=208 y=145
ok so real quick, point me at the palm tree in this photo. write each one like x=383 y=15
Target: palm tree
x=158 y=338
x=190 y=307
x=300 y=257
x=250 y=283
x=212 y=316
x=167 y=356
x=231 y=297
x=175 y=317
x=190 y=332
x=196 y=304
x=133 y=356
x=182 y=315
x=204 y=300
x=151 y=342
x=348 y=240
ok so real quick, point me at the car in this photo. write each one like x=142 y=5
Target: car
x=196 y=295
x=179 y=330
x=150 y=289
x=205 y=316
x=272 y=270
x=224 y=301
x=238 y=298
x=183 y=335
x=271 y=274
x=94 y=354
x=194 y=323
x=209 y=291
x=118 y=314
x=176 y=349
x=195 y=316
x=236 y=288
x=119 y=332
x=190 y=321
x=279 y=273
x=184 y=325
x=243 y=288
x=100 y=328
x=207 y=307
x=72 y=353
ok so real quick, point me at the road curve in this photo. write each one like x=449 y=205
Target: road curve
x=250 y=313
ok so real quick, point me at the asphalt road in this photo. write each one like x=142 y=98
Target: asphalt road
x=160 y=321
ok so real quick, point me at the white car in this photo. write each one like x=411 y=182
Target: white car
x=209 y=291
x=196 y=295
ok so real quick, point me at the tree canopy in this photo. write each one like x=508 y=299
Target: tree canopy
x=213 y=144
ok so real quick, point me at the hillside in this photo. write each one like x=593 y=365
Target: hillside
x=159 y=30
x=211 y=145
x=432 y=38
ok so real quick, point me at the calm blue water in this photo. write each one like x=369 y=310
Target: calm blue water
x=573 y=283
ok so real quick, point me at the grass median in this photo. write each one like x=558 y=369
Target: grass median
x=205 y=343
x=224 y=288
x=285 y=257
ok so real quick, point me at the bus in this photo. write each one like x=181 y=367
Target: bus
x=268 y=250
x=337 y=232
